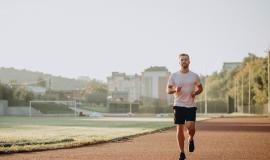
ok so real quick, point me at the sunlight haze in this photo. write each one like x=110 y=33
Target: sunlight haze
x=96 y=37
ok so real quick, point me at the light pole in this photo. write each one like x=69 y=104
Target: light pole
x=268 y=75
x=130 y=107
x=235 y=95
x=249 y=72
x=205 y=95
x=242 y=98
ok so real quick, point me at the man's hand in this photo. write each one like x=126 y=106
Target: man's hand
x=173 y=90
x=197 y=90
x=193 y=94
x=178 y=91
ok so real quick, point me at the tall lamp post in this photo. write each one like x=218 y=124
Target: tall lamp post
x=249 y=75
x=205 y=95
x=242 y=98
x=268 y=75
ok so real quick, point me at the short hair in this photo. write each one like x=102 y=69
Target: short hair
x=183 y=54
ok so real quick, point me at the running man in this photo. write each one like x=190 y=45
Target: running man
x=185 y=85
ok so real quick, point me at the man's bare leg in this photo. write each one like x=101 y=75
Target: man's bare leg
x=180 y=136
x=190 y=125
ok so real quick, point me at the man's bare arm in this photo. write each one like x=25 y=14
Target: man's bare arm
x=171 y=89
x=198 y=90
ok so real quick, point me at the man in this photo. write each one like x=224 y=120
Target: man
x=185 y=85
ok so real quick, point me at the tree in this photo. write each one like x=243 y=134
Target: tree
x=222 y=84
x=21 y=94
x=41 y=82
x=258 y=70
x=6 y=92
x=95 y=86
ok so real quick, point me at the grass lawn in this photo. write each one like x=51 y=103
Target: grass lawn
x=18 y=134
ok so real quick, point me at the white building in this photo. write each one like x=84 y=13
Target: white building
x=120 y=82
x=151 y=84
x=154 y=82
x=84 y=78
x=37 y=89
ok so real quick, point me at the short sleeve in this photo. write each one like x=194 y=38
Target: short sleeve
x=197 y=78
x=171 y=81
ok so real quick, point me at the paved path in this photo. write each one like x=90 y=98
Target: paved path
x=216 y=139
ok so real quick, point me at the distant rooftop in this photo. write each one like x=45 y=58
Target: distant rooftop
x=156 y=69
x=118 y=74
x=36 y=89
x=84 y=78
x=123 y=75
x=230 y=65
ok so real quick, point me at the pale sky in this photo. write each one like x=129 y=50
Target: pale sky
x=93 y=38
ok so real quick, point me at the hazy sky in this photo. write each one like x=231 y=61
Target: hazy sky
x=95 y=37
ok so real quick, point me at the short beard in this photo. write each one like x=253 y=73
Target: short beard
x=185 y=67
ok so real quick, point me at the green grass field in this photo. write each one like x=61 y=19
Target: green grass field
x=19 y=134
x=49 y=108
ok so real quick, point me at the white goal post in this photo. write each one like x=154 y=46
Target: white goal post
x=74 y=103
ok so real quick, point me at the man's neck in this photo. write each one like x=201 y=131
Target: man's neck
x=184 y=70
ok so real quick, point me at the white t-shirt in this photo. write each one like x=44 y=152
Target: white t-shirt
x=187 y=83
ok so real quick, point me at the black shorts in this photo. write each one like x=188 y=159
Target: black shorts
x=183 y=114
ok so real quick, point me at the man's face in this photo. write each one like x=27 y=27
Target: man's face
x=184 y=61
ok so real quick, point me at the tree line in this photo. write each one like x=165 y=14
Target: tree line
x=247 y=83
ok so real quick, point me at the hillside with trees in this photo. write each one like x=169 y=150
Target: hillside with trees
x=11 y=75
